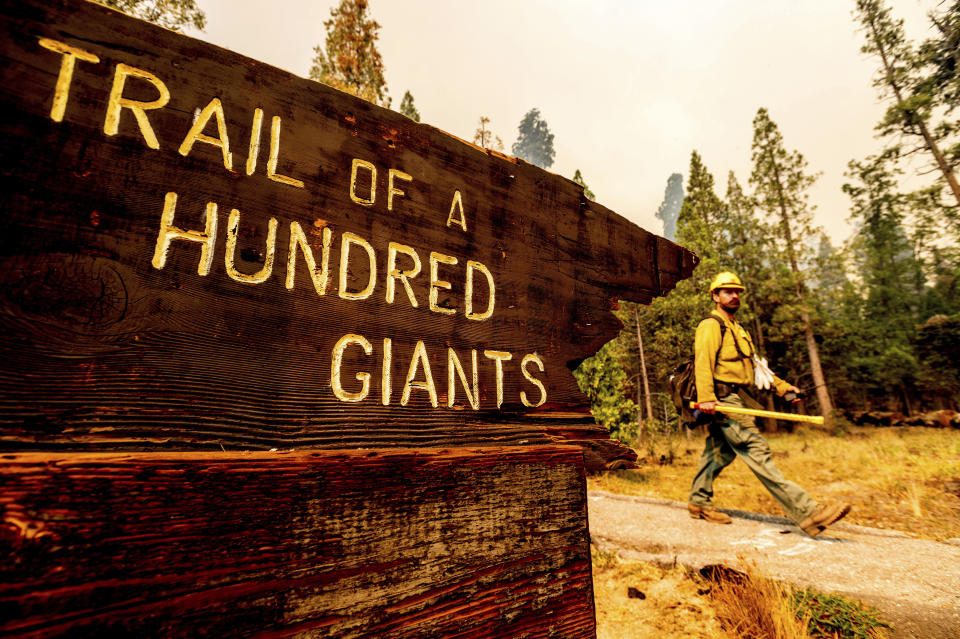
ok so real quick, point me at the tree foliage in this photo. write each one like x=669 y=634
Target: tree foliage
x=602 y=378
x=578 y=178
x=915 y=82
x=534 y=140
x=886 y=332
x=879 y=315
x=670 y=207
x=891 y=281
x=407 y=108
x=349 y=60
x=486 y=138
x=942 y=55
x=172 y=14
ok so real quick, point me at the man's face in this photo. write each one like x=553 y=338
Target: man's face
x=728 y=299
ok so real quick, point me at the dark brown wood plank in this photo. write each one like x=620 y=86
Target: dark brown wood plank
x=100 y=347
x=486 y=542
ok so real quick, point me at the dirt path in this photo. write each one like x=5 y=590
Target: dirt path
x=915 y=583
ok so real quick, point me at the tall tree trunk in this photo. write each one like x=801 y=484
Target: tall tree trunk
x=906 y=401
x=639 y=416
x=820 y=382
x=643 y=368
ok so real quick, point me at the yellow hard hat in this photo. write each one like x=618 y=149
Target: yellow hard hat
x=727 y=280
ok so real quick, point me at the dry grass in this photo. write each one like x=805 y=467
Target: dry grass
x=673 y=604
x=757 y=607
x=905 y=479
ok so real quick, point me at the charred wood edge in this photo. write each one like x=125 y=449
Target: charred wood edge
x=260 y=591
x=599 y=451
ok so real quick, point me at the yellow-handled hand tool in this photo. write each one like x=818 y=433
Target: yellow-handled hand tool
x=737 y=410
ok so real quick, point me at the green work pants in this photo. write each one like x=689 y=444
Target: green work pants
x=729 y=437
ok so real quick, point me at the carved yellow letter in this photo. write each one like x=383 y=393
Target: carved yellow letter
x=436 y=284
x=233 y=228
x=275 y=155
x=457 y=205
x=499 y=357
x=195 y=134
x=299 y=239
x=468 y=294
x=453 y=365
x=391 y=189
x=394 y=273
x=532 y=357
x=117 y=103
x=419 y=358
x=385 y=388
x=337 y=363
x=254 y=149
x=70 y=57
x=357 y=163
x=346 y=241
x=168 y=231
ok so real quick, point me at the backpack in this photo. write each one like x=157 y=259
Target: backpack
x=683 y=381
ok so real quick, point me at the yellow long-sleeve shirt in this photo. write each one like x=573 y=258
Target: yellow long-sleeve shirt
x=730 y=367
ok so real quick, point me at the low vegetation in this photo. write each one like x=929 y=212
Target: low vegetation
x=906 y=479
x=640 y=600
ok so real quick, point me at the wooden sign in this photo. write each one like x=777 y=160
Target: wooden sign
x=276 y=361
x=200 y=250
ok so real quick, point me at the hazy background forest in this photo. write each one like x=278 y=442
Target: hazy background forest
x=869 y=323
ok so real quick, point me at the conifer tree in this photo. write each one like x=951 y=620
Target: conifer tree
x=349 y=60
x=747 y=245
x=942 y=55
x=891 y=280
x=534 y=140
x=408 y=109
x=913 y=98
x=702 y=211
x=780 y=184
x=485 y=138
x=670 y=207
x=172 y=14
x=670 y=322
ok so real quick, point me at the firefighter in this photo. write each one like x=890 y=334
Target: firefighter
x=725 y=372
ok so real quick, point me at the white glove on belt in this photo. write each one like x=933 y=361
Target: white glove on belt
x=762 y=375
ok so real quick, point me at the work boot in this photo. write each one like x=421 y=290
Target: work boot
x=822 y=517
x=709 y=513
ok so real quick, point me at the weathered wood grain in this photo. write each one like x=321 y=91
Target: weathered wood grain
x=99 y=348
x=461 y=542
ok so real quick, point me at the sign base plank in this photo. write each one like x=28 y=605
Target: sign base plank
x=486 y=542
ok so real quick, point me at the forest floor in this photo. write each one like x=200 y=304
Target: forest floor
x=902 y=479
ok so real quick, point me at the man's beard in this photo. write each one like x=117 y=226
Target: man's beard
x=732 y=307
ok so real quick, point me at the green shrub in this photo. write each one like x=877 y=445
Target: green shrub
x=833 y=616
